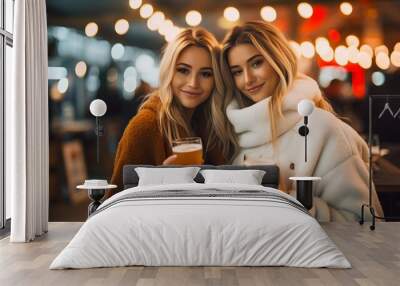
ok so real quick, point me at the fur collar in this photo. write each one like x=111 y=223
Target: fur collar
x=251 y=123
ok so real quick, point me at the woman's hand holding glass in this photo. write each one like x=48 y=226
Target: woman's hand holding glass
x=187 y=151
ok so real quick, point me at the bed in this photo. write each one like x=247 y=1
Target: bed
x=201 y=224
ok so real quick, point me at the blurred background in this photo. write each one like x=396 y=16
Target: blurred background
x=111 y=50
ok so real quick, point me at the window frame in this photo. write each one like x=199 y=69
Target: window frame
x=6 y=39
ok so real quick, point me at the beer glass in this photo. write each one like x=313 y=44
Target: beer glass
x=188 y=151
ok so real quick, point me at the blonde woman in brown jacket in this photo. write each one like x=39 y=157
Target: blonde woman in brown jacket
x=188 y=103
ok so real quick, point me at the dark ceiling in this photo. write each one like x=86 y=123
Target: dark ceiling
x=77 y=13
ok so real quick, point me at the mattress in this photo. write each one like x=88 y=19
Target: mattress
x=201 y=225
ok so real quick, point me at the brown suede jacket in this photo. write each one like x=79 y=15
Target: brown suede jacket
x=143 y=142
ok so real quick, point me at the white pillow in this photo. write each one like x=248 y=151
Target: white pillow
x=166 y=176
x=248 y=177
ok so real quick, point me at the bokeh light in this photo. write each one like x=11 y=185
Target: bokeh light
x=91 y=29
x=135 y=4
x=146 y=11
x=327 y=54
x=382 y=60
x=305 y=10
x=193 y=18
x=341 y=55
x=121 y=26
x=367 y=49
x=155 y=21
x=268 y=13
x=296 y=48
x=346 y=8
x=364 y=59
x=352 y=40
x=62 y=85
x=117 y=51
x=80 y=69
x=307 y=49
x=231 y=14
x=378 y=78
x=395 y=58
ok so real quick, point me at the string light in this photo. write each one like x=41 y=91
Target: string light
x=80 y=69
x=353 y=54
x=346 y=8
x=381 y=49
x=231 y=14
x=364 y=59
x=321 y=45
x=341 y=55
x=307 y=50
x=165 y=27
x=91 y=29
x=155 y=21
x=121 y=26
x=146 y=11
x=378 y=78
x=305 y=10
x=135 y=4
x=296 y=48
x=130 y=73
x=117 y=51
x=367 y=49
x=327 y=54
x=395 y=58
x=382 y=61
x=62 y=85
x=172 y=33
x=130 y=85
x=352 y=40
x=193 y=18
x=268 y=13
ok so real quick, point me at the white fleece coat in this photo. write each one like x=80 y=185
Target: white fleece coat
x=336 y=152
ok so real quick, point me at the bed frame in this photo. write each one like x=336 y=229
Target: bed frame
x=270 y=179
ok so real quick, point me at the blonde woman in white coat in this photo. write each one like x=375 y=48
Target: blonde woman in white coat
x=263 y=89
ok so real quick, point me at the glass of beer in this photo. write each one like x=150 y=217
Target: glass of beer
x=188 y=151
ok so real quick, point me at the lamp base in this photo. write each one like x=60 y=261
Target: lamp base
x=304 y=190
x=304 y=193
x=96 y=195
x=303 y=130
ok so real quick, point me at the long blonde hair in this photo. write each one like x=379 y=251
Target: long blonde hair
x=274 y=47
x=171 y=119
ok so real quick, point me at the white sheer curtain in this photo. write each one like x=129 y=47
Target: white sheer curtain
x=27 y=124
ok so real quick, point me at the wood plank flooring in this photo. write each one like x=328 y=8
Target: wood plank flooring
x=374 y=255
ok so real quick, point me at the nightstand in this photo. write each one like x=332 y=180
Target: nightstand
x=304 y=190
x=96 y=194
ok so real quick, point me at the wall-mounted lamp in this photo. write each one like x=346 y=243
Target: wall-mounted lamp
x=305 y=108
x=98 y=108
x=304 y=185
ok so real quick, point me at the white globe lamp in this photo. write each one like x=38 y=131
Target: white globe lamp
x=98 y=108
x=305 y=108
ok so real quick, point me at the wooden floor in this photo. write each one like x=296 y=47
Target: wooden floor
x=375 y=256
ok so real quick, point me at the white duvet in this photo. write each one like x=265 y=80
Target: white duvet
x=183 y=231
